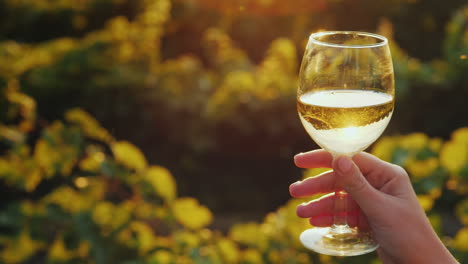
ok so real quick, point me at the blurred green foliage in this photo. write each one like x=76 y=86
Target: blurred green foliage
x=104 y=203
x=204 y=49
x=189 y=80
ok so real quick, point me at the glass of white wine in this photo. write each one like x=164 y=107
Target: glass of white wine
x=345 y=100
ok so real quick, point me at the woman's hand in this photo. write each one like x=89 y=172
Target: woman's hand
x=387 y=201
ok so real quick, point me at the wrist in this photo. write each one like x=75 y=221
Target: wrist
x=428 y=248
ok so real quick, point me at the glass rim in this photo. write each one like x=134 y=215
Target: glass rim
x=383 y=40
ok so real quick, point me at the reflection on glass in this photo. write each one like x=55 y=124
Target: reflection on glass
x=345 y=100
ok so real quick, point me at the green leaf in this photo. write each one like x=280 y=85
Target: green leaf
x=399 y=156
x=464 y=172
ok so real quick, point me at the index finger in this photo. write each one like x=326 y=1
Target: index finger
x=323 y=183
x=314 y=159
x=377 y=171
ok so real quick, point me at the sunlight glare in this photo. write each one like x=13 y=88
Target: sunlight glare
x=81 y=182
x=350 y=132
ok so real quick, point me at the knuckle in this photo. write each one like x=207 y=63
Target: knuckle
x=399 y=171
x=357 y=186
x=301 y=211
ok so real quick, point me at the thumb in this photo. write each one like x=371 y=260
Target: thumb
x=350 y=178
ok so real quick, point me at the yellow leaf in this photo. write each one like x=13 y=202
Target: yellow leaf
x=384 y=147
x=138 y=235
x=414 y=141
x=144 y=236
x=103 y=212
x=191 y=214
x=162 y=182
x=251 y=255
x=435 y=193
x=144 y=210
x=246 y=233
x=69 y=199
x=274 y=256
x=53 y=154
x=27 y=104
x=229 y=250
x=129 y=155
x=435 y=144
x=110 y=216
x=45 y=156
x=20 y=249
x=162 y=256
x=461 y=239
x=96 y=188
x=422 y=168
x=426 y=202
x=461 y=135
x=303 y=258
x=88 y=124
x=119 y=28
x=187 y=238
x=27 y=207
x=11 y=133
x=436 y=222
x=325 y=258
x=58 y=251
x=462 y=211
x=92 y=162
x=83 y=249
x=33 y=179
x=454 y=156
x=162 y=241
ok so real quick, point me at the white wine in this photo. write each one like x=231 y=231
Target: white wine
x=345 y=100
x=345 y=121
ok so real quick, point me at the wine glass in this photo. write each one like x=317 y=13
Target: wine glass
x=345 y=100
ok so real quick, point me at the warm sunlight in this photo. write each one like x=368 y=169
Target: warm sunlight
x=164 y=131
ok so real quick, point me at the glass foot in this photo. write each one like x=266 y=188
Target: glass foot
x=341 y=241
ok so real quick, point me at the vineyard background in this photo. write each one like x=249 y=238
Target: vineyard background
x=205 y=92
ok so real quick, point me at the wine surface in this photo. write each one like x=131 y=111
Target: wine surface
x=345 y=121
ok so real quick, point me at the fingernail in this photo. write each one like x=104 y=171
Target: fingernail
x=293 y=189
x=298 y=155
x=296 y=183
x=344 y=163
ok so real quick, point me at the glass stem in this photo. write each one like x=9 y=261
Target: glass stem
x=340 y=221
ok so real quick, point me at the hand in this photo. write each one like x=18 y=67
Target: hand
x=388 y=202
